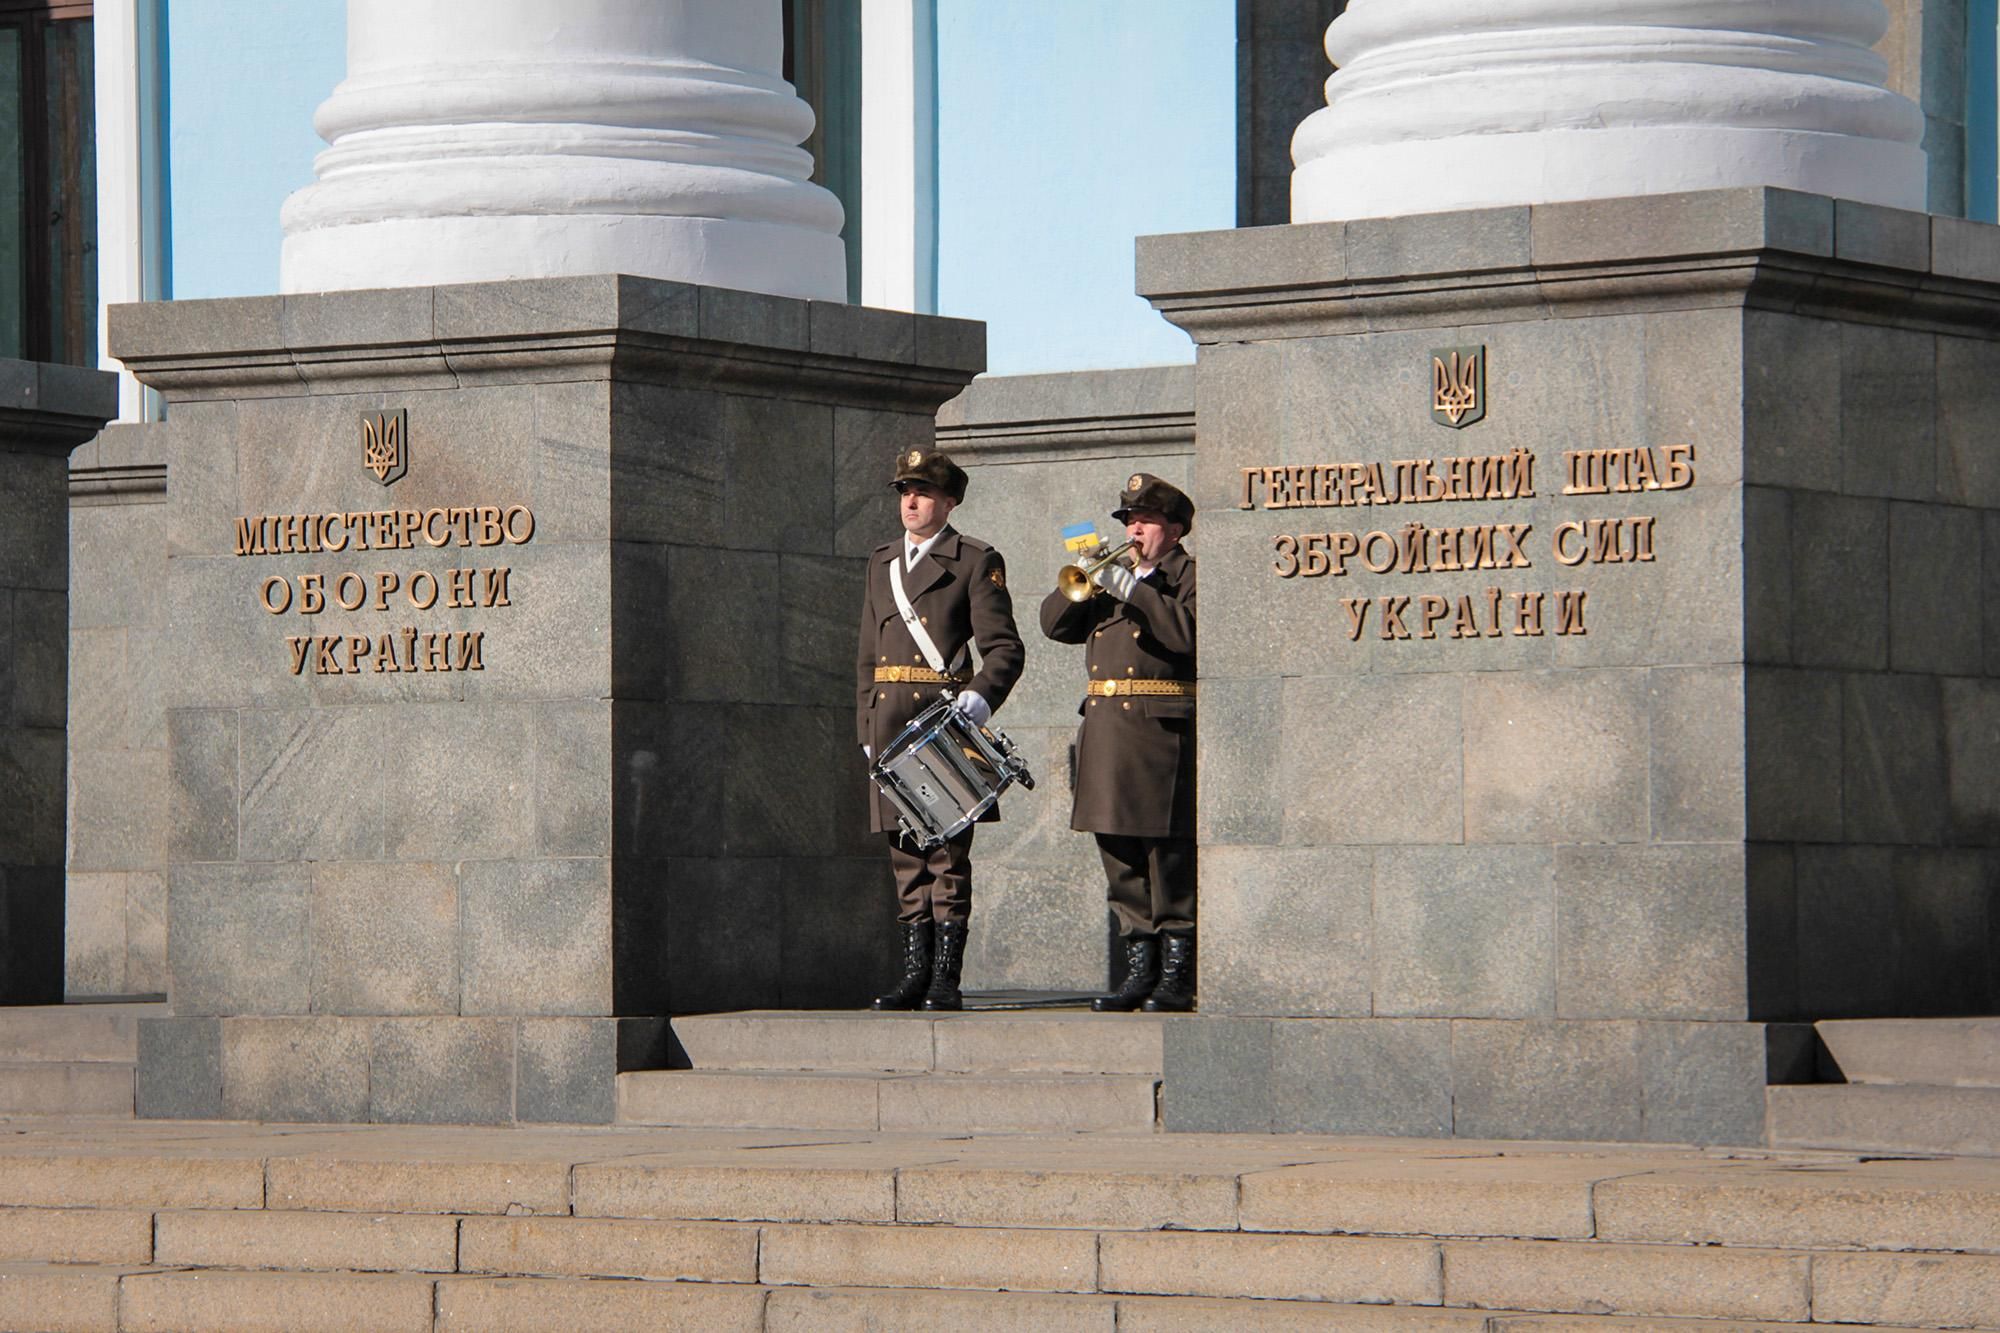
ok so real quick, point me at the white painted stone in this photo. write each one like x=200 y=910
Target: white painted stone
x=1439 y=104
x=481 y=140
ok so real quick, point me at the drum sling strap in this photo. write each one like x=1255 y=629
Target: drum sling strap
x=925 y=644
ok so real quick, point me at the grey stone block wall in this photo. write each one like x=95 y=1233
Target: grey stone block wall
x=45 y=412
x=116 y=917
x=451 y=895
x=1044 y=452
x=1578 y=885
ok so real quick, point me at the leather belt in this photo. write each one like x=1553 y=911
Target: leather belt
x=915 y=675
x=1106 y=689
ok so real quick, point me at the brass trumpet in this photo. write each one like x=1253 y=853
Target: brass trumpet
x=1073 y=581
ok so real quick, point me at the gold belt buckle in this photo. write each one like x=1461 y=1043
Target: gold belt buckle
x=1110 y=689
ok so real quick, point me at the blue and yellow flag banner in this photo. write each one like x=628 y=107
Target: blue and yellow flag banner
x=1080 y=537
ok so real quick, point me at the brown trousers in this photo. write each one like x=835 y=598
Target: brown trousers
x=1151 y=883
x=936 y=885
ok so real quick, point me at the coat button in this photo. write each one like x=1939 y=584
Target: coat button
x=882 y=694
x=1093 y=703
x=1093 y=666
x=1128 y=705
x=923 y=620
x=916 y=698
x=1131 y=671
x=885 y=659
x=1135 y=634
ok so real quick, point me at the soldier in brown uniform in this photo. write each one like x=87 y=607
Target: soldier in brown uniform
x=1135 y=753
x=956 y=590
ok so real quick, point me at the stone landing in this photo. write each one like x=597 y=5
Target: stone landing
x=972 y=1073
x=145 y=1225
x=1912 y=1085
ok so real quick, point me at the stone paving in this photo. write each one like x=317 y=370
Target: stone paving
x=135 y=1224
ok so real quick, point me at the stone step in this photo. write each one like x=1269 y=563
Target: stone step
x=1938 y=1052
x=50 y=1088
x=1037 y=1043
x=937 y=1102
x=73 y=1032
x=110 y=1299
x=1913 y=1118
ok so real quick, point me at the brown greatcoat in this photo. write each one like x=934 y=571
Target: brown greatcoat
x=1135 y=757
x=959 y=592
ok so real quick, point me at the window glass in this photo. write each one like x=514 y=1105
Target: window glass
x=13 y=202
x=72 y=192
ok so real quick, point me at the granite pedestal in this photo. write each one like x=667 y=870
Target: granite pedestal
x=1598 y=661
x=509 y=694
x=45 y=411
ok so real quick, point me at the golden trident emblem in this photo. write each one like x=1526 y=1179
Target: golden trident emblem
x=1458 y=383
x=382 y=435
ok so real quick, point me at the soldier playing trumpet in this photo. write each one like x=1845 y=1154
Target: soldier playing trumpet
x=1135 y=752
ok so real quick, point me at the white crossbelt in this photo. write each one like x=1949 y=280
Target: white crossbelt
x=910 y=622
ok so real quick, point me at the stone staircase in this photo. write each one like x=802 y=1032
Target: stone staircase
x=70 y=1059
x=1925 y=1085
x=975 y=1072
x=153 y=1225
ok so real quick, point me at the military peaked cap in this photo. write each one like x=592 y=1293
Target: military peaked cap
x=929 y=465
x=1143 y=490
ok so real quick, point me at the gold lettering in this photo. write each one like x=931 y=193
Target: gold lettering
x=469 y=642
x=1680 y=467
x=429 y=600
x=386 y=582
x=1562 y=555
x=264 y=595
x=312 y=594
x=1287 y=547
x=1392 y=617
x=1368 y=549
x=496 y=586
x=1314 y=563
x=326 y=664
x=437 y=652
x=1466 y=625
x=1569 y=613
x=1357 y=615
x=1528 y=614
x=385 y=654
x=1430 y=609
x=1248 y=499
x=300 y=646
x=459 y=592
x=340 y=586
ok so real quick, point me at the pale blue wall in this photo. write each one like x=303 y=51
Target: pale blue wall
x=1066 y=129
x=243 y=79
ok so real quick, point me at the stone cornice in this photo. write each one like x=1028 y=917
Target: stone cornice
x=51 y=409
x=1107 y=413
x=557 y=329
x=1758 y=249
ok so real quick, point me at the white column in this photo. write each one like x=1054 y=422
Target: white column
x=131 y=260
x=477 y=140
x=899 y=155
x=1442 y=104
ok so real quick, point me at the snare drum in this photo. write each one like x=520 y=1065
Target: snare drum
x=942 y=773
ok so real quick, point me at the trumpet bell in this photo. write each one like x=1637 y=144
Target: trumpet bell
x=1073 y=581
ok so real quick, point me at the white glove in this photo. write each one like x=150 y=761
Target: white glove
x=1116 y=579
x=974 y=706
x=868 y=754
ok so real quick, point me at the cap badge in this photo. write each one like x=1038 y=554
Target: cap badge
x=916 y=457
x=1135 y=483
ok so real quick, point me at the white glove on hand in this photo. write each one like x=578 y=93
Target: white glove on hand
x=974 y=706
x=1116 y=579
x=868 y=754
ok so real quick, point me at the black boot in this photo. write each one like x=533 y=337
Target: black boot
x=946 y=961
x=1142 y=973
x=909 y=992
x=1175 y=993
